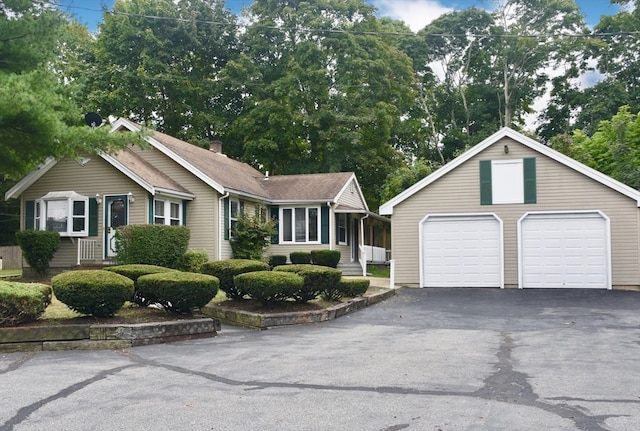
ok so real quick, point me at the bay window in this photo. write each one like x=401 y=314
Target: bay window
x=64 y=212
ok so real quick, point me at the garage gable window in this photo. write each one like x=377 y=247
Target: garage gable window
x=511 y=181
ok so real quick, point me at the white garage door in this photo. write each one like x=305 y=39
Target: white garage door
x=565 y=250
x=461 y=251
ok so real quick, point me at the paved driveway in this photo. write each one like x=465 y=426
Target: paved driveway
x=426 y=359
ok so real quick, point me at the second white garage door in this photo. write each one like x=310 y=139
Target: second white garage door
x=565 y=250
x=461 y=251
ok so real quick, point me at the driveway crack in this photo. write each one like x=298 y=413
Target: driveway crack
x=18 y=363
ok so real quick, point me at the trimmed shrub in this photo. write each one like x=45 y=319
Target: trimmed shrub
x=269 y=287
x=177 y=291
x=325 y=257
x=135 y=271
x=352 y=287
x=226 y=269
x=300 y=257
x=192 y=260
x=22 y=302
x=151 y=244
x=95 y=292
x=277 y=260
x=316 y=279
x=38 y=248
x=252 y=235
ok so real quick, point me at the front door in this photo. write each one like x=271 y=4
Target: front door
x=116 y=215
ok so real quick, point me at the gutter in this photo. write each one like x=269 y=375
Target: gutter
x=221 y=213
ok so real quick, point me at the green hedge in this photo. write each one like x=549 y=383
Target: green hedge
x=180 y=292
x=269 y=287
x=300 y=257
x=226 y=269
x=152 y=244
x=329 y=258
x=38 y=248
x=135 y=271
x=22 y=302
x=277 y=260
x=95 y=292
x=352 y=287
x=316 y=279
x=192 y=260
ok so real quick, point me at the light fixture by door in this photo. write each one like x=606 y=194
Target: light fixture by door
x=130 y=196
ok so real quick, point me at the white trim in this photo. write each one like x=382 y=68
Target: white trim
x=467 y=216
x=607 y=220
x=30 y=178
x=505 y=132
x=128 y=172
x=346 y=185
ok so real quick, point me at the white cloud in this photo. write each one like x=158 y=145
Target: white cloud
x=415 y=13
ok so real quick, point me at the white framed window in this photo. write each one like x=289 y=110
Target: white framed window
x=342 y=229
x=234 y=213
x=167 y=212
x=300 y=225
x=64 y=212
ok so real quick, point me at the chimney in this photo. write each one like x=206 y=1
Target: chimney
x=215 y=146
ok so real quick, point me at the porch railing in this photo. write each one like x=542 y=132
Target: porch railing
x=86 y=249
x=375 y=254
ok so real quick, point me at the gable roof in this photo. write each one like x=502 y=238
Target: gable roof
x=506 y=132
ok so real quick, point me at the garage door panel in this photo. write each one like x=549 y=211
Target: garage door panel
x=565 y=250
x=459 y=251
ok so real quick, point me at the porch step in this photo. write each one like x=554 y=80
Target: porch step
x=353 y=268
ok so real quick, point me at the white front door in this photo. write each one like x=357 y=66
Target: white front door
x=116 y=215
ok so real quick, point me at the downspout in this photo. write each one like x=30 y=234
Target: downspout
x=220 y=213
x=363 y=254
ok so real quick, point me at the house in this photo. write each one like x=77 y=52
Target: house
x=512 y=212
x=175 y=183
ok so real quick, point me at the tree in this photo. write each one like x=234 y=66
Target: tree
x=38 y=114
x=403 y=178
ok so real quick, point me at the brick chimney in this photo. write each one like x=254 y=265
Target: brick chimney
x=215 y=146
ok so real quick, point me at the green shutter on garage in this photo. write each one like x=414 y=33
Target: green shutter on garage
x=275 y=215
x=324 y=225
x=529 y=169
x=486 y=197
x=29 y=214
x=93 y=217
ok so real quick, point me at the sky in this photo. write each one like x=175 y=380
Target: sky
x=415 y=13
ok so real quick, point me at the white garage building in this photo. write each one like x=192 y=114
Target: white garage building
x=511 y=212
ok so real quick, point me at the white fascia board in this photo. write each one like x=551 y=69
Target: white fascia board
x=30 y=178
x=173 y=193
x=128 y=172
x=353 y=179
x=302 y=202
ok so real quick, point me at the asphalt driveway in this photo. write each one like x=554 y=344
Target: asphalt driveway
x=426 y=359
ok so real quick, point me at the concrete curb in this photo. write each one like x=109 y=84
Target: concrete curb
x=273 y=320
x=104 y=336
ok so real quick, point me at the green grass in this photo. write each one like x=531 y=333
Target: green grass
x=376 y=271
x=11 y=273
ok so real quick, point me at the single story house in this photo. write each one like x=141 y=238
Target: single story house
x=512 y=212
x=173 y=182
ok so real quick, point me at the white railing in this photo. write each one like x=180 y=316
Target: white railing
x=86 y=249
x=375 y=254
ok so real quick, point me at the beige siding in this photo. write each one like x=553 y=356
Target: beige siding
x=559 y=188
x=351 y=197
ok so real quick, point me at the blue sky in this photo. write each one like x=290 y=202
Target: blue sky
x=415 y=13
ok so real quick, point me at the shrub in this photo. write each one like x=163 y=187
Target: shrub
x=177 y=291
x=269 y=287
x=316 y=279
x=22 y=302
x=325 y=257
x=300 y=257
x=353 y=287
x=252 y=235
x=226 y=269
x=277 y=260
x=135 y=271
x=38 y=248
x=95 y=292
x=192 y=260
x=151 y=244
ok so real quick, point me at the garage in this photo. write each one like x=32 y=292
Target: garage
x=564 y=250
x=461 y=251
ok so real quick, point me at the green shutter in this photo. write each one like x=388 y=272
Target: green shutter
x=93 y=217
x=184 y=213
x=226 y=218
x=324 y=225
x=529 y=169
x=29 y=215
x=486 y=197
x=275 y=215
x=152 y=210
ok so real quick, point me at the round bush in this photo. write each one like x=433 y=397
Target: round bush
x=192 y=260
x=300 y=257
x=329 y=258
x=134 y=271
x=22 y=302
x=180 y=292
x=95 y=292
x=226 y=269
x=277 y=260
x=316 y=279
x=353 y=287
x=269 y=287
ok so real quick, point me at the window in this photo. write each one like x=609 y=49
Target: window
x=64 y=212
x=510 y=181
x=167 y=212
x=300 y=225
x=342 y=229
